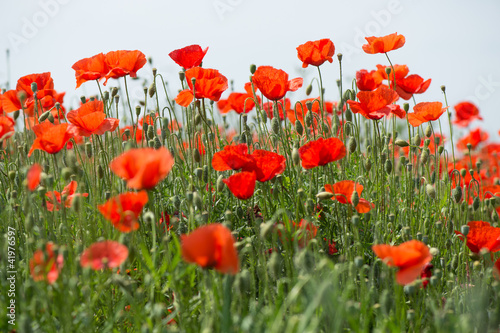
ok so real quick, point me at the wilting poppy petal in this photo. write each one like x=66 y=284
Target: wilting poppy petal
x=123 y=210
x=189 y=56
x=316 y=53
x=242 y=184
x=321 y=152
x=105 y=254
x=383 y=44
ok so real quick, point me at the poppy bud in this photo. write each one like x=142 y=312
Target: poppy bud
x=295 y=156
x=406 y=107
x=253 y=68
x=440 y=150
x=388 y=70
x=339 y=56
x=239 y=212
x=43 y=116
x=475 y=203
x=428 y=131
x=151 y=132
x=197 y=200
x=430 y=190
x=324 y=195
x=137 y=110
x=368 y=165
x=348 y=115
x=299 y=128
x=388 y=166
x=152 y=90
x=157 y=143
x=471 y=171
x=100 y=171
x=443 y=88
x=309 y=90
x=66 y=173
x=275 y=125
x=352 y=144
x=463 y=172
x=424 y=156
x=189 y=196
x=433 y=177
x=151 y=143
x=16 y=114
x=309 y=119
x=197 y=155
x=427 y=142
x=401 y=143
x=416 y=140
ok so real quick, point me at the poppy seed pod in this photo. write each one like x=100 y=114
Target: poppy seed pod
x=182 y=75
x=138 y=110
x=339 y=56
x=253 y=68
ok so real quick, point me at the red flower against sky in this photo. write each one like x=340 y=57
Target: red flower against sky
x=400 y=70
x=424 y=112
x=375 y=104
x=274 y=83
x=143 y=168
x=189 y=56
x=481 y=236
x=46 y=265
x=209 y=84
x=410 y=257
x=384 y=44
x=211 y=246
x=368 y=81
x=239 y=102
x=90 y=119
x=105 y=254
x=343 y=191
x=466 y=112
x=412 y=84
x=54 y=198
x=88 y=69
x=33 y=176
x=6 y=127
x=475 y=137
x=122 y=63
x=316 y=53
x=123 y=210
x=242 y=184
x=50 y=138
x=321 y=152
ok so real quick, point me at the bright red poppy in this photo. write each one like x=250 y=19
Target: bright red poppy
x=475 y=137
x=123 y=210
x=265 y=164
x=143 y=168
x=89 y=69
x=50 y=138
x=400 y=72
x=33 y=176
x=384 y=44
x=424 y=112
x=54 y=198
x=343 y=191
x=410 y=257
x=268 y=107
x=232 y=157
x=466 y=112
x=274 y=83
x=412 y=84
x=6 y=127
x=90 y=119
x=242 y=184
x=426 y=274
x=189 y=56
x=375 y=104
x=239 y=102
x=316 y=53
x=481 y=236
x=105 y=254
x=122 y=63
x=209 y=84
x=368 y=81
x=321 y=152
x=211 y=246
x=46 y=265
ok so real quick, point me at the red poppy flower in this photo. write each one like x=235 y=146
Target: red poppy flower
x=122 y=63
x=384 y=44
x=33 y=176
x=209 y=84
x=273 y=83
x=426 y=274
x=105 y=254
x=138 y=133
x=123 y=210
x=6 y=127
x=332 y=249
x=164 y=222
x=265 y=164
x=232 y=157
x=321 y=152
x=466 y=112
x=343 y=191
x=481 y=236
x=475 y=137
x=316 y=53
x=375 y=104
x=242 y=184
x=268 y=107
x=368 y=81
x=46 y=265
x=143 y=168
x=90 y=119
x=211 y=246
x=50 y=138
x=315 y=106
x=400 y=70
x=410 y=257
x=93 y=68
x=496 y=269
x=412 y=84
x=424 y=112
x=189 y=56
x=304 y=232
x=54 y=198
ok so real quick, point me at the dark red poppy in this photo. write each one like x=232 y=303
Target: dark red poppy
x=368 y=81
x=274 y=83
x=410 y=257
x=481 y=236
x=242 y=184
x=375 y=104
x=424 y=112
x=189 y=56
x=475 y=137
x=143 y=168
x=50 y=138
x=45 y=264
x=123 y=210
x=496 y=269
x=105 y=254
x=209 y=84
x=332 y=249
x=384 y=44
x=343 y=191
x=6 y=127
x=426 y=274
x=90 y=119
x=466 y=112
x=54 y=198
x=164 y=222
x=89 y=69
x=122 y=63
x=316 y=53
x=33 y=176
x=211 y=246
x=321 y=152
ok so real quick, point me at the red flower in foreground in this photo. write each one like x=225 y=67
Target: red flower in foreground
x=242 y=184
x=424 y=112
x=46 y=265
x=33 y=176
x=123 y=210
x=211 y=246
x=232 y=157
x=368 y=81
x=343 y=191
x=466 y=112
x=410 y=257
x=412 y=84
x=316 y=53
x=122 y=63
x=50 y=138
x=93 y=68
x=105 y=254
x=375 y=104
x=189 y=56
x=6 y=127
x=209 y=84
x=90 y=119
x=143 y=168
x=481 y=236
x=384 y=44
x=321 y=152
x=54 y=198
x=273 y=83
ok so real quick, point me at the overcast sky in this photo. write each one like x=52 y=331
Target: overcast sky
x=453 y=42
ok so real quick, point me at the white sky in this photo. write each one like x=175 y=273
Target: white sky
x=454 y=42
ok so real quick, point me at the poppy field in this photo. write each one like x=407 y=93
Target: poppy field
x=211 y=208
